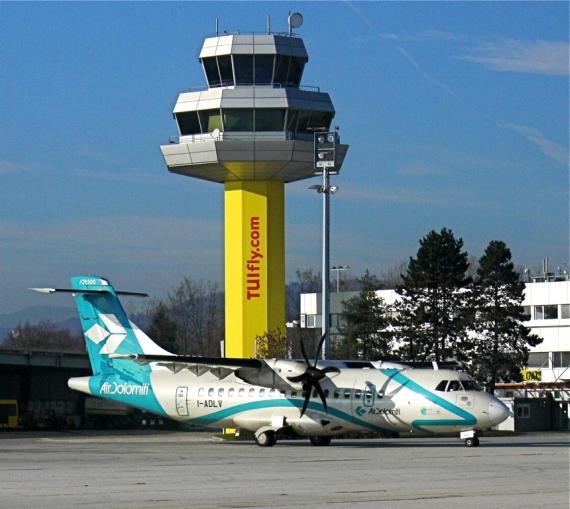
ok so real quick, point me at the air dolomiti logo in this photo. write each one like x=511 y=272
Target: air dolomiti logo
x=124 y=388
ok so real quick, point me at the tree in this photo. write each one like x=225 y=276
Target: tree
x=44 y=335
x=196 y=308
x=308 y=281
x=271 y=345
x=366 y=317
x=162 y=329
x=432 y=322
x=502 y=341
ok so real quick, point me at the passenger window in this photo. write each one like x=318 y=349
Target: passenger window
x=283 y=394
x=231 y=392
x=441 y=386
x=357 y=394
x=220 y=392
x=336 y=393
x=347 y=393
x=261 y=393
x=251 y=393
x=241 y=392
x=201 y=391
x=314 y=395
x=368 y=394
x=293 y=394
x=326 y=391
x=272 y=393
x=211 y=391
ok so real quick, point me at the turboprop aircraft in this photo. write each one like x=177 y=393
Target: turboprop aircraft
x=317 y=400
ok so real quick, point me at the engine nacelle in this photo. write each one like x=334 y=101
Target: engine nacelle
x=273 y=374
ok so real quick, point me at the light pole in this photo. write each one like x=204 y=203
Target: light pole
x=338 y=269
x=326 y=164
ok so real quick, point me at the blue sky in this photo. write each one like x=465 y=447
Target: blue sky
x=456 y=113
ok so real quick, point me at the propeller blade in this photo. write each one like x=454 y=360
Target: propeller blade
x=304 y=353
x=330 y=369
x=322 y=395
x=307 y=397
x=297 y=378
x=319 y=348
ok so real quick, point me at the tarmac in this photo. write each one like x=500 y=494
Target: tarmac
x=163 y=470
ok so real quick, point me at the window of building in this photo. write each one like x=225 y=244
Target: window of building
x=238 y=119
x=303 y=124
x=263 y=69
x=270 y=119
x=226 y=71
x=243 y=65
x=560 y=359
x=321 y=120
x=210 y=120
x=212 y=73
x=537 y=360
x=188 y=123
x=292 y=117
x=545 y=312
x=527 y=313
x=523 y=411
x=296 y=67
x=310 y=320
x=281 y=69
x=565 y=311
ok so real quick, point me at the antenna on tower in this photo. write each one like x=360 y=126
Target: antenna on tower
x=295 y=21
x=268 y=25
x=216 y=27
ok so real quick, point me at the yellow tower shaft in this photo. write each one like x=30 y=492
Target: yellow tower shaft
x=254 y=262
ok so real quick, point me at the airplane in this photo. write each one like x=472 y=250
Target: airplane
x=318 y=400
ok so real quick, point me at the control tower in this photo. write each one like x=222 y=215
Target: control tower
x=252 y=129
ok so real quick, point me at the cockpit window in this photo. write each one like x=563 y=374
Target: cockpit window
x=471 y=385
x=454 y=385
x=441 y=386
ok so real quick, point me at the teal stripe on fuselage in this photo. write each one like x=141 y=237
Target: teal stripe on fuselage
x=467 y=419
x=256 y=405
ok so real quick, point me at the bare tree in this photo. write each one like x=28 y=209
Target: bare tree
x=196 y=308
x=44 y=335
x=308 y=281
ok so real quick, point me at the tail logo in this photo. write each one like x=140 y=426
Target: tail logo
x=113 y=333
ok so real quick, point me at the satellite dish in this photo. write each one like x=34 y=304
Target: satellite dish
x=295 y=21
x=216 y=133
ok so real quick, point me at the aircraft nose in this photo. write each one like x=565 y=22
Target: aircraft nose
x=498 y=412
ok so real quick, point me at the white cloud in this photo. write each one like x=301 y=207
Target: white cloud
x=511 y=55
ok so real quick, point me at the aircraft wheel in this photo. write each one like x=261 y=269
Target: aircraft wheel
x=266 y=439
x=472 y=442
x=320 y=441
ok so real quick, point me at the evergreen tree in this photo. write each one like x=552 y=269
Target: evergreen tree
x=432 y=320
x=163 y=329
x=366 y=317
x=502 y=341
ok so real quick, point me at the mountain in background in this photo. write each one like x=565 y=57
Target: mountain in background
x=60 y=316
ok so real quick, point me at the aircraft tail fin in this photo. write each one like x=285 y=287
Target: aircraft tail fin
x=108 y=332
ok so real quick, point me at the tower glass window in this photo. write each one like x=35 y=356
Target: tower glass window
x=295 y=71
x=211 y=69
x=226 y=71
x=238 y=119
x=303 y=124
x=269 y=119
x=263 y=69
x=281 y=69
x=210 y=120
x=243 y=65
x=292 y=116
x=188 y=122
x=320 y=120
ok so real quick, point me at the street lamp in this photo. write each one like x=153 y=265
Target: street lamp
x=325 y=159
x=338 y=269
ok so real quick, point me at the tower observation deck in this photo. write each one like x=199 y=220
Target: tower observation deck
x=253 y=130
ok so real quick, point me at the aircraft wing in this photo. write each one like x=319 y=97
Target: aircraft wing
x=219 y=366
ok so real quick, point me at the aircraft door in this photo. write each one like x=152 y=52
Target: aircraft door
x=369 y=395
x=182 y=401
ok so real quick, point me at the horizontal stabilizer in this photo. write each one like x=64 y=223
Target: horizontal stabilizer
x=87 y=292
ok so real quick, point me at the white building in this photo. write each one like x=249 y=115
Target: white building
x=547 y=303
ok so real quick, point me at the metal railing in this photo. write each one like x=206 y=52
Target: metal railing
x=241 y=136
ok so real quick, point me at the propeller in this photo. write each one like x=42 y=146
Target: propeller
x=312 y=376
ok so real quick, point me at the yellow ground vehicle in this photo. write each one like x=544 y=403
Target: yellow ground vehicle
x=8 y=413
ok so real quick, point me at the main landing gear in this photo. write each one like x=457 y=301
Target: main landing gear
x=266 y=439
x=320 y=441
